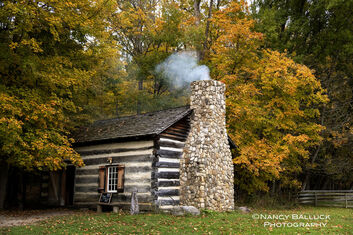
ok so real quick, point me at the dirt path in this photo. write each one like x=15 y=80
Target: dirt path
x=9 y=218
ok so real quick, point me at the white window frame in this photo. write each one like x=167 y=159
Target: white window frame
x=112 y=179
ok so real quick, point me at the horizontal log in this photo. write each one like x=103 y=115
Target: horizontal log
x=104 y=160
x=86 y=198
x=168 y=202
x=168 y=192
x=167 y=164
x=79 y=198
x=182 y=131
x=184 y=126
x=124 y=198
x=132 y=170
x=85 y=189
x=166 y=175
x=139 y=188
x=83 y=171
x=171 y=144
x=173 y=137
x=168 y=183
x=107 y=151
x=115 y=145
x=137 y=181
x=129 y=188
x=128 y=170
x=184 y=135
x=177 y=131
x=169 y=153
x=86 y=180
x=127 y=206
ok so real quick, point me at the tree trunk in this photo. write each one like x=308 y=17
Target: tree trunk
x=207 y=30
x=197 y=12
x=4 y=172
x=305 y=182
x=139 y=104
x=326 y=184
x=22 y=191
x=307 y=173
x=273 y=191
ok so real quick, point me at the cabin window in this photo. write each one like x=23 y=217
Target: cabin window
x=111 y=178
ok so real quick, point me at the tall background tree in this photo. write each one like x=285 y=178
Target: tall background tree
x=147 y=33
x=272 y=104
x=54 y=56
x=319 y=34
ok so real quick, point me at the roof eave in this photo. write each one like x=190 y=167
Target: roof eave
x=114 y=140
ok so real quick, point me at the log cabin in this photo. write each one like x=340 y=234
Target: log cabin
x=138 y=152
x=144 y=153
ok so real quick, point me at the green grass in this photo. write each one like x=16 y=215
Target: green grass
x=340 y=222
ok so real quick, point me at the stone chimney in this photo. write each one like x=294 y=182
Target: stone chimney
x=206 y=169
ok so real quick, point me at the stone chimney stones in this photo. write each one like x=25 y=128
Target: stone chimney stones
x=206 y=168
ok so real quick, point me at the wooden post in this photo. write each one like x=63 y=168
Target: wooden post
x=99 y=208
x=345 y=195
x=315 y=198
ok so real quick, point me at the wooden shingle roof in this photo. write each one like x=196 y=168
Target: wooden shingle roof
x=130 y=126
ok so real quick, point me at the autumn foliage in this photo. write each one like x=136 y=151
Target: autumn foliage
x=51 y=58
x=66 y=63
x=272 y=104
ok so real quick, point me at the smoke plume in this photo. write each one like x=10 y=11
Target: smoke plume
x=182 y=68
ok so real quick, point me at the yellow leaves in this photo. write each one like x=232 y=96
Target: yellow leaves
x=13 y=45
x=33 y=133
x=27 y=43
x=272 y=102
x=296 y=139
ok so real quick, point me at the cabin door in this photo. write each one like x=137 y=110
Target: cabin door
x=67 y=186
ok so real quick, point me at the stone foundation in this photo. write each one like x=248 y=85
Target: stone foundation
x=206 y=169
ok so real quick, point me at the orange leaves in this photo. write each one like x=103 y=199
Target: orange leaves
x=272 y=102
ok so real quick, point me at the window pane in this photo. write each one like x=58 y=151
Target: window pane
x=112 y=179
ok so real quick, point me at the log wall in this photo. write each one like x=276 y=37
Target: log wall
x=166 y=167
x=136 y=156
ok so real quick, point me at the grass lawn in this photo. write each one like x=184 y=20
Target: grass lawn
x=340 y=221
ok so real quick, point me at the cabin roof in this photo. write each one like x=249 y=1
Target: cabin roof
x=131 y=126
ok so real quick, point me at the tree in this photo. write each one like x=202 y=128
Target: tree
x=52 y=54
x=272 y=103
x=319 y=35
x=148 y=32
